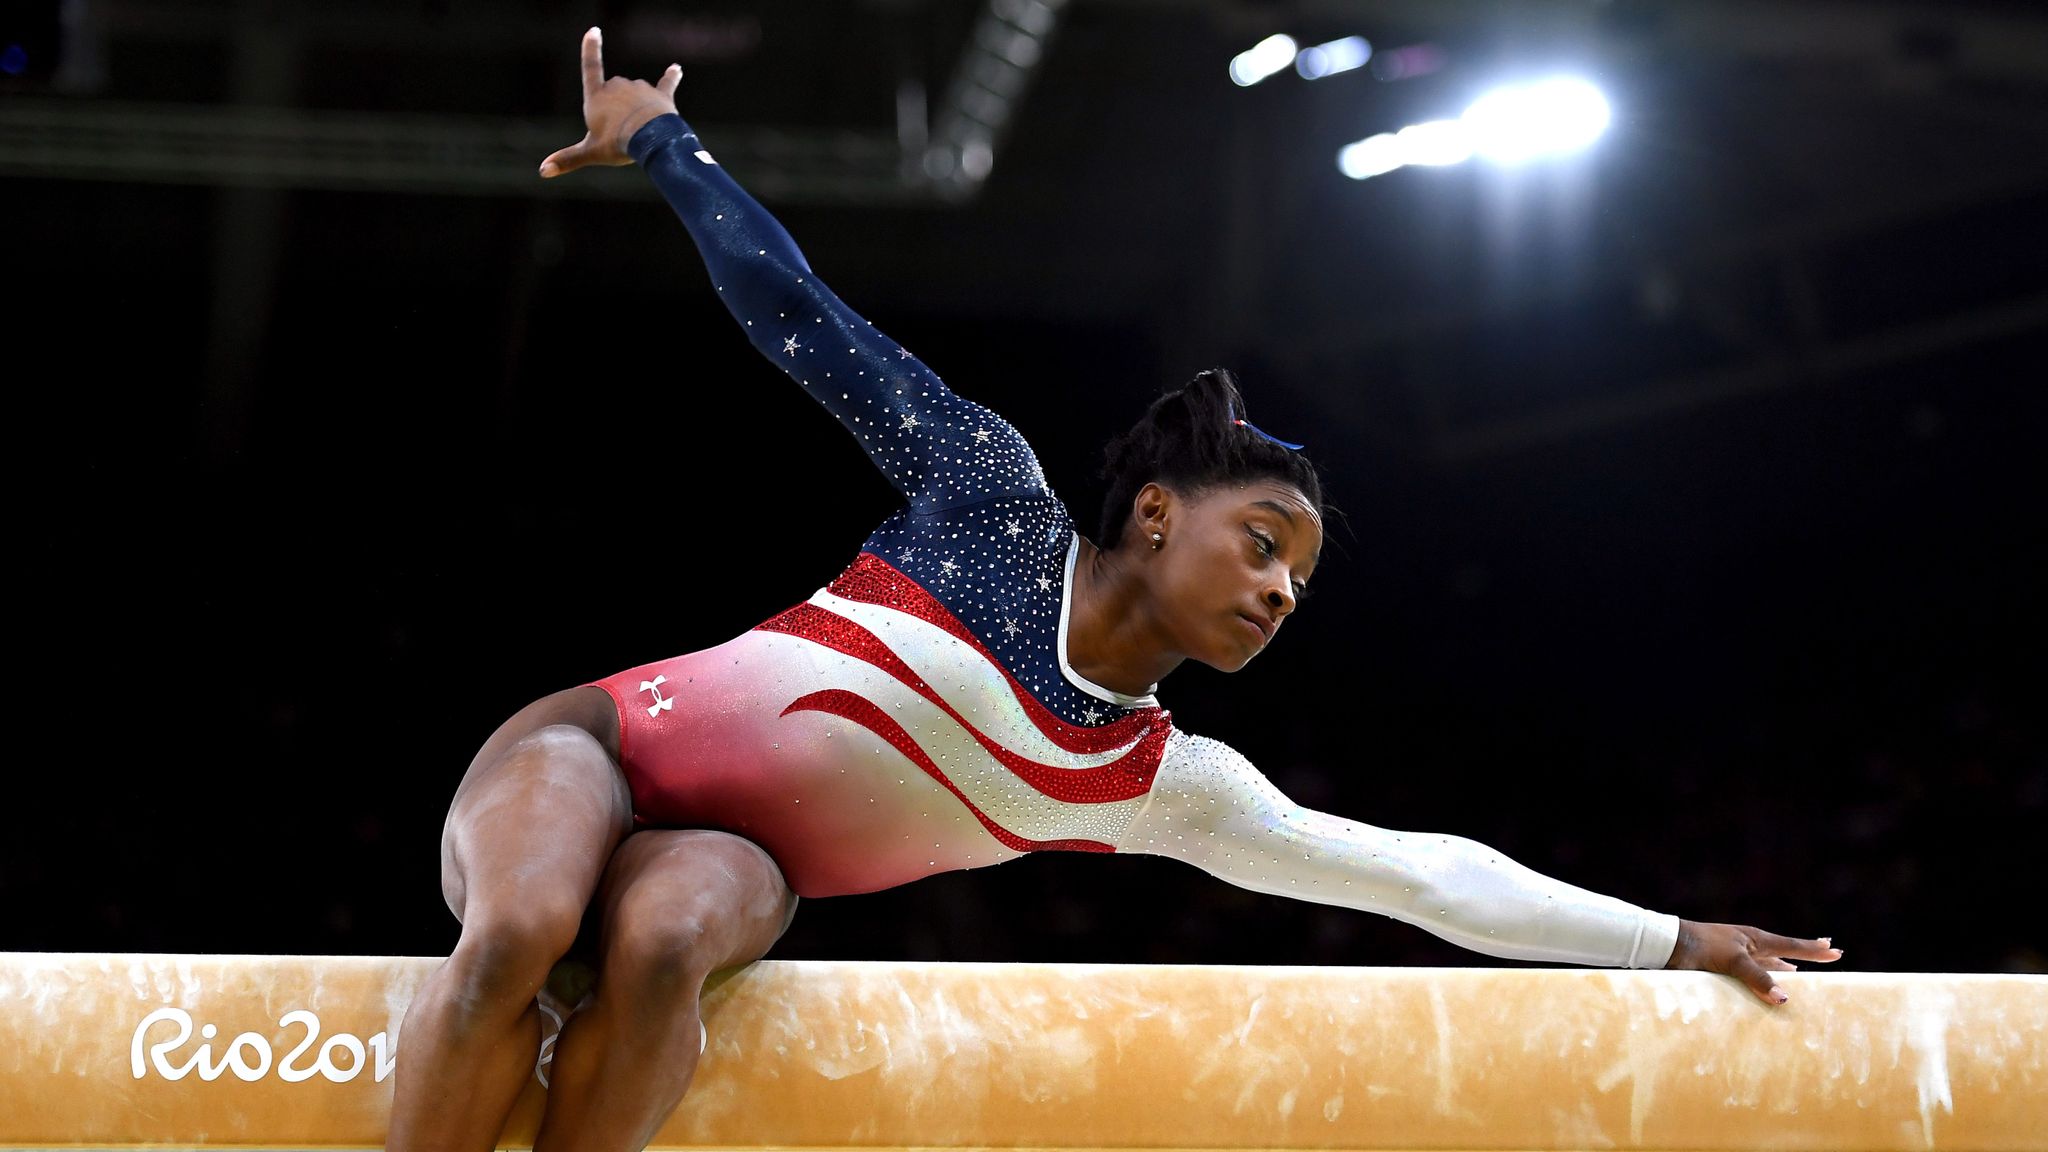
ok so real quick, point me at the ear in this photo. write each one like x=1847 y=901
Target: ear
x=1150 y=506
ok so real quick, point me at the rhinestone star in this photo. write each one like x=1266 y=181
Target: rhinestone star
x=909 y=421
x=1091 y=715
x=906 y=554
x=1045 y=583
x=1010 y=628
x=948 y=567
x=902 y=353
x=789 y=345
x=1015 y=527
x=981 y=435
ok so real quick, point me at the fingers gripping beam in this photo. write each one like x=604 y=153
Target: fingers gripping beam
x=298 y=1052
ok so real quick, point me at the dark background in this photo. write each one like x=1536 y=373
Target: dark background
x=1694 y=545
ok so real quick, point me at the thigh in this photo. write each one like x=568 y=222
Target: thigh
x=540 y=810
x=697 y=899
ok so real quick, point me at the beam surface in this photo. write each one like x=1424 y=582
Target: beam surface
x=297 y=1052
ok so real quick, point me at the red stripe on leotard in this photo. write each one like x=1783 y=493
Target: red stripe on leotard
x=869 y=715
x=1127 y=776
x=873 y=580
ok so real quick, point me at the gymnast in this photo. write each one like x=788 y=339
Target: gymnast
x=978 y=684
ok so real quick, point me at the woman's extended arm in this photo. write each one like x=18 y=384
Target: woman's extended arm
x=1211 y=808
x=939 y=449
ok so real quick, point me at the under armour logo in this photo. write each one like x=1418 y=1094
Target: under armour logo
x=661 y=703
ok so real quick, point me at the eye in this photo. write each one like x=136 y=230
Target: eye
x=1267 y=547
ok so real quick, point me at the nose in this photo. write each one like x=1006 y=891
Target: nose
x=1280 y=600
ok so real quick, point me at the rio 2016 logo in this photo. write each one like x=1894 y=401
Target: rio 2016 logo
x=249 y=1055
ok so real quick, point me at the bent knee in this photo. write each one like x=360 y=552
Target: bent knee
x=557 y=740
x=588 y=709
x=507 y=953
x=669 y=945
x=680 y=942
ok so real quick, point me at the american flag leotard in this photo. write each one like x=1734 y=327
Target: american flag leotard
x=918 y=713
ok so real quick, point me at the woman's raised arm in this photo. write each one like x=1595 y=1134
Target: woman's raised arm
x=938 y=449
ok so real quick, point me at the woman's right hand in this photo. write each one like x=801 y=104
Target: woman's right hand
x=613 y=110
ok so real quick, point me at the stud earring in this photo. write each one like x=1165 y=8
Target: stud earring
x=1157 y=539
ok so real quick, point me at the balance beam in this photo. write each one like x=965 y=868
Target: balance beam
x=121 y=1051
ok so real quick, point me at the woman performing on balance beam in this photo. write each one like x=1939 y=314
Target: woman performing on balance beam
x=979 y=683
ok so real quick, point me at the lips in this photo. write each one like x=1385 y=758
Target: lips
x=1265 y=630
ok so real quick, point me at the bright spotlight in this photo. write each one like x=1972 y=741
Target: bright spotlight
x=1262 y=60
x=1372 y=156
x=1435 y=142
x=1513 y=124
x=1322 y=60
x=1507 y=126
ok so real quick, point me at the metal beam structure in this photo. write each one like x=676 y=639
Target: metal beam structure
x=1003 y=53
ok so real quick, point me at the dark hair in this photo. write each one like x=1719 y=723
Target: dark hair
x=1190 y=439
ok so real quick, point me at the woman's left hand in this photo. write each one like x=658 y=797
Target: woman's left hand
x=1748 y=954
x=613 y=110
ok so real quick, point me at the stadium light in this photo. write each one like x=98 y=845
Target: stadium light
x=1509 y=125
x=1262 y=60
x=1320 y=60
x=1372 y=156
x=1435 y=143
x=1548 y=118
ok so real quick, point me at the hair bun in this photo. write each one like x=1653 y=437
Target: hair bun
x=1189 y=438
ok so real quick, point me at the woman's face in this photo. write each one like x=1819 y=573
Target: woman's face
x=1233 y=564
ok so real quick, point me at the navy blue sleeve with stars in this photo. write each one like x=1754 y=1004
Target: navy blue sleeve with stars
x=981 y=530
x=939 y=450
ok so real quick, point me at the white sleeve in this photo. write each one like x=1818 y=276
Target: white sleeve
x=1211 y=808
